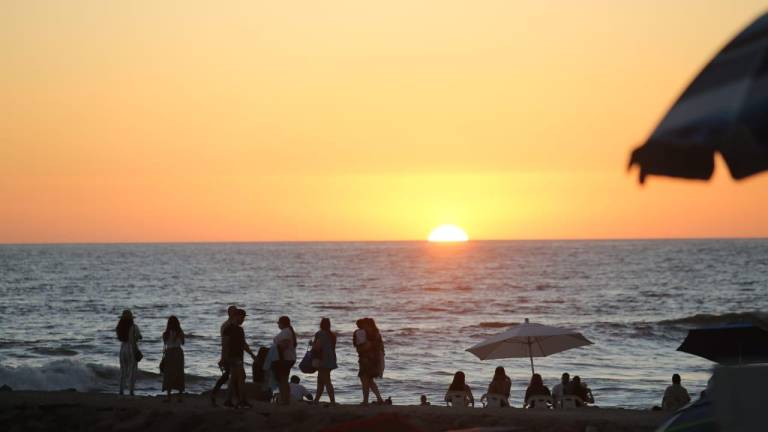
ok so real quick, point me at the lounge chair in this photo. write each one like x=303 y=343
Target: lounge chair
x=570 y=401
x=540 y=402
x=456 y=399
x=494 y=400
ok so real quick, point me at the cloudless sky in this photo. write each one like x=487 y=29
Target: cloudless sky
x=350 y=120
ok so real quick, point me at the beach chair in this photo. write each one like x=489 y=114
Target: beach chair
x=539 y=402
x=570 y=402
x=456 y=399
x=494 y=400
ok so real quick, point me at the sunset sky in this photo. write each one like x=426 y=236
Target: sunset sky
x=353 y=120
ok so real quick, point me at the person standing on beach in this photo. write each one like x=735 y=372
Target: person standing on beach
x=370 y=350
x=223 y=362
x=236 y=348
x=286 y=343
x=324 y=348
x=173 y=358
x=675 y=396
x=129 y=335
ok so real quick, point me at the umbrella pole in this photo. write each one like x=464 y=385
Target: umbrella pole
x=530 y=354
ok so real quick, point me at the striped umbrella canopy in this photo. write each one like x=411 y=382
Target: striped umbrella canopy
x=725 y=109
x=528 y=340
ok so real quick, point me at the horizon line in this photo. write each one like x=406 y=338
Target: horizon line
x=574 y=239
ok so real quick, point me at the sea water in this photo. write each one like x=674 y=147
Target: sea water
x=635 y=300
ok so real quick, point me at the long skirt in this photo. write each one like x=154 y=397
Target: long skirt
x=129 y=368
x=173 y=370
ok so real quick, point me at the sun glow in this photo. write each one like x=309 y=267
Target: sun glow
x=448 y=233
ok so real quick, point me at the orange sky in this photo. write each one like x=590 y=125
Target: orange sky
x=346 y=120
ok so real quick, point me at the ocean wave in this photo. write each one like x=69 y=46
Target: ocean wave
x=72 y=374
x=756 y=318
x=49 y=351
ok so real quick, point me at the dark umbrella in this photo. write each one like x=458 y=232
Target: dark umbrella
x=728 y=344
x=696 y=417
x=725 y=109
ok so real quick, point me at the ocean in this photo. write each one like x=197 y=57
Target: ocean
x=635 y=300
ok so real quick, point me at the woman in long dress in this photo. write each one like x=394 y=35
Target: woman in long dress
x=324 y=349
x=129 y=335
x=173 y=358
x=370 y=350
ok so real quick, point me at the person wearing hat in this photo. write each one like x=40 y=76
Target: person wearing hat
x=129 y=335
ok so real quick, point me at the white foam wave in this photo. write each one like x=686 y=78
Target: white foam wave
x=56 y=375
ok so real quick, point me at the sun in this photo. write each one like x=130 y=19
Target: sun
x=448 y=233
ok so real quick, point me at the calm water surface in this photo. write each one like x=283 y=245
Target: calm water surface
x=634 y=299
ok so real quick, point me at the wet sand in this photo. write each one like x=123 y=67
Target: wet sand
x=43 y=411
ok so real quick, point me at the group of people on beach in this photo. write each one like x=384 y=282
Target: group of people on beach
x=501 y=385
x=271 y=366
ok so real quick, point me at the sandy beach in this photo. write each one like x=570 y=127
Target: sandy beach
x=42 y=411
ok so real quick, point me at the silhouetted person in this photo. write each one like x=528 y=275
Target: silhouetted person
x=459 y=384
x=324 y=349
x=236 y=348
x=260 y=377
x=424 y=401
x=675 y=396
x=559 y=390
x=223 y=362
x=129 y=335
x=535 y=388
x=298 y=391
x=577 y=388
x=501 y=384
x=286 y=343
x=173 y=358
x=370 y=350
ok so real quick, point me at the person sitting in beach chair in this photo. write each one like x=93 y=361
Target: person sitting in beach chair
x=459 y=394
x=558 y=391
x=494 y=400
x=578 y=393
x=676 y=396
x=537 y=395
x=499 y=388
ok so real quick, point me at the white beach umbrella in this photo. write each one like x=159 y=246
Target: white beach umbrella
x=529 y=340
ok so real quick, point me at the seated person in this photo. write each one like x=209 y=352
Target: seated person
x=535 y=388
x=424 y=401
x=576 y=388
x=459 y=385
x=676 y=396
x=298 y=391
x=559 y=389
x=501 y=384
x=259 y=390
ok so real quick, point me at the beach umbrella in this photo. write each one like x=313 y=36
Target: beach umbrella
x=696 y=417
x=528 y=340
x=728 y=344
x=724 y=109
